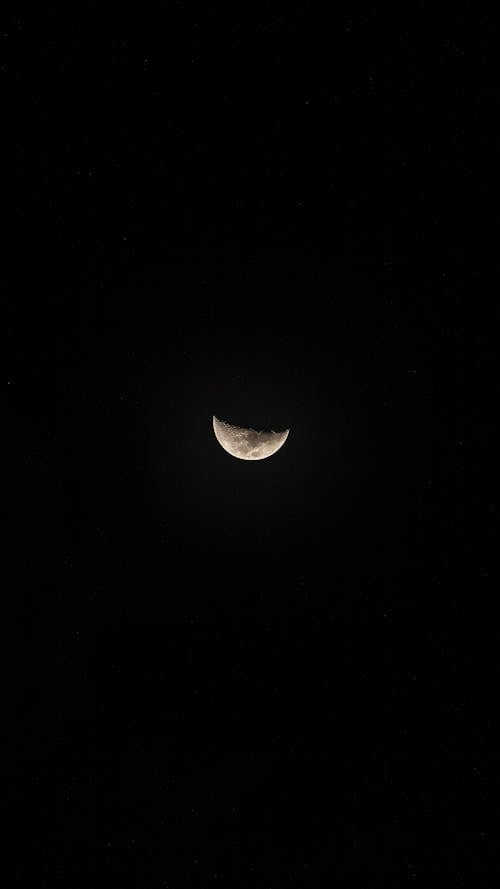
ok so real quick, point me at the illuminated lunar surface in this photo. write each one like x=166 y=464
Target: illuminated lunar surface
x=248 y=444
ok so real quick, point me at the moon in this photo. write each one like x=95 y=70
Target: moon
x=248 y=444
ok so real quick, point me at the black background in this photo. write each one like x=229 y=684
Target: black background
x=251 y=674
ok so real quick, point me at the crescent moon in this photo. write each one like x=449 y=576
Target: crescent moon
x=248 y=444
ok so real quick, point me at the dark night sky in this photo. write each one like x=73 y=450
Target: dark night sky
x=251 y=674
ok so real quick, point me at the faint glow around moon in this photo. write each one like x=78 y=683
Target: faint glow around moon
x=248 y=444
